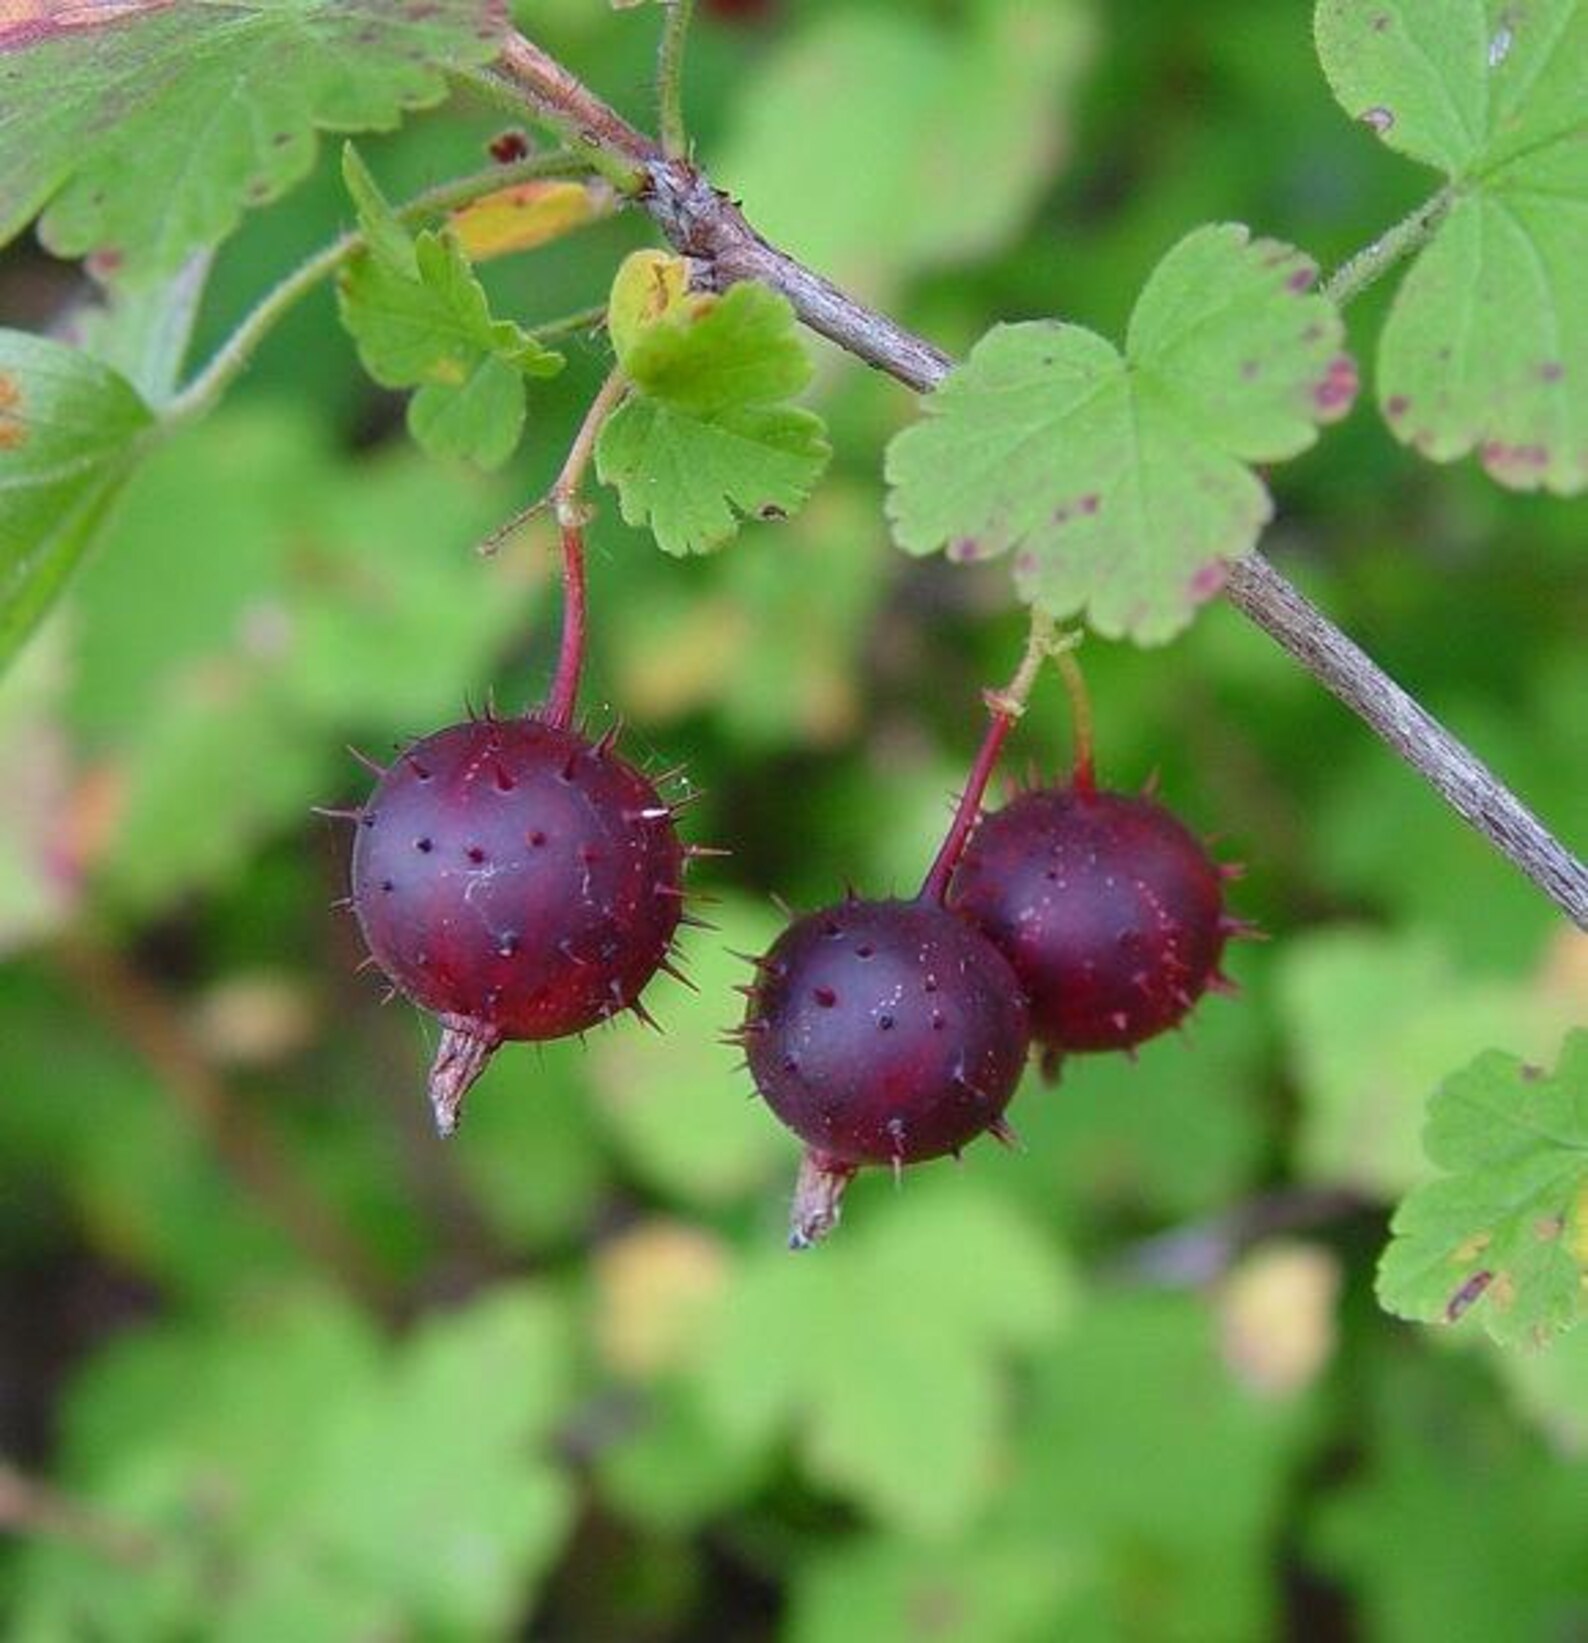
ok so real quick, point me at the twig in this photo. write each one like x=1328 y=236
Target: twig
x=1471 y=789
x=705 y=224
x=146 y=1019
x=556 y=97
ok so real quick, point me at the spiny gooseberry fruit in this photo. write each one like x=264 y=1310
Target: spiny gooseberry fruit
x=1109 y=909
x=882 y=1032
x=518 y=880
x=886 y=1032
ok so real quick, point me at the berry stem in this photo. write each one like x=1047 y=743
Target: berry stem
x=1003 y=707
x=1083 y=777
x=564 y=695
x=571 y=515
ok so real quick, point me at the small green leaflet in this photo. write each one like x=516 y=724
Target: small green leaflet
x=1121 y=481
x=1504 y=1233
x=1486 y=347
x=144 y=138
x=68 y=432
x=420 y=320
x=705 y=440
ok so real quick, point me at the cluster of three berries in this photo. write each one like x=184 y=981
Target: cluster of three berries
x=524 y=882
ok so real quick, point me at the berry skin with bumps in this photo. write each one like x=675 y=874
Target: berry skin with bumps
x=518 y=880
x=1108 y=907
x=882 y=1032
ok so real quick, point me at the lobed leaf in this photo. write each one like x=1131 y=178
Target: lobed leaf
x=142 y=131
x=1120 y=482
x=69 y=430
x=705 y=440
x=420 y=319
x=1504 y=1233
x=1486 y=346
x=692 y=478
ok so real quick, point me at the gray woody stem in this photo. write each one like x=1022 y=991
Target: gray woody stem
x=706 y=225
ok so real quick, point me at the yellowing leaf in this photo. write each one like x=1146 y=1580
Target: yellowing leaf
x=525 y=216
x=650 y=286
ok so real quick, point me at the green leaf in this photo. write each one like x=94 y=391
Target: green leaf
x=893 y=1401
x=69 y=428
x=715 y=354
x=1504 y=1233
x=918 y=166
x=421 y=320
x=143 y=138
x=1121 y=482
x=676 y=1101
x=704 y=441
x=1486 y=346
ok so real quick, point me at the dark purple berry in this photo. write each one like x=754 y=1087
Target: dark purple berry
x=1109 y=909
x=882 y=1032
x=518 y=880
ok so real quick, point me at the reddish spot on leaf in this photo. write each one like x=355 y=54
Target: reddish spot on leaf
x=1207 y=581
x=964 y=549
x=1335 y=395
x=1514 y=464
x=1090 y=503
x=1551 y=371
x=104 y=262
x=1249 y=369
x=1396 y=406
x=1301 y=280
x=1469 y=1293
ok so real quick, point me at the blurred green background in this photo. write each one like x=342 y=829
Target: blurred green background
x=275 y=1364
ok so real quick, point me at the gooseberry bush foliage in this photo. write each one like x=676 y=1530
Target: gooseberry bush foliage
x=338 y=292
